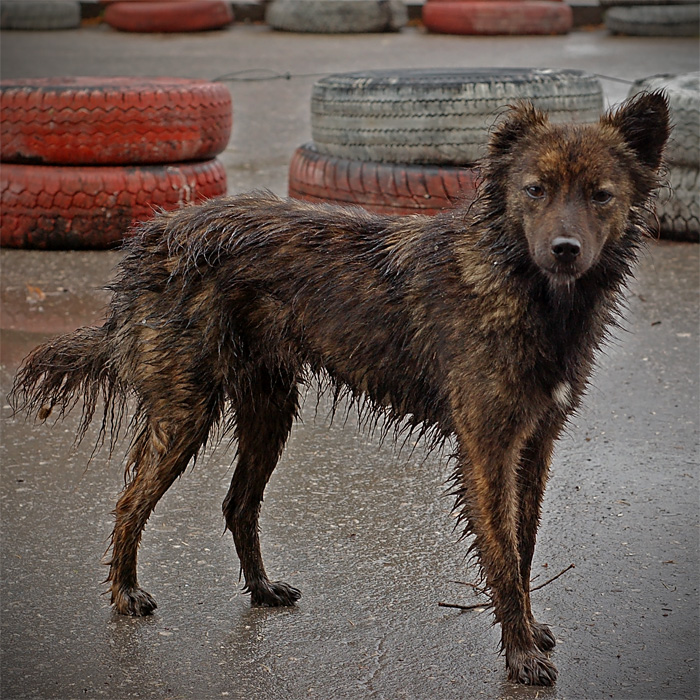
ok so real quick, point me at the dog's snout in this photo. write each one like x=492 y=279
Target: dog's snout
x=566 y=249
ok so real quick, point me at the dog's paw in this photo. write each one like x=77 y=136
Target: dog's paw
x=133 y=601
x=531 y=668
x=273 y=594
x=544 y=638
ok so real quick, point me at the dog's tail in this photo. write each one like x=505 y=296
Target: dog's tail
x=61 y=372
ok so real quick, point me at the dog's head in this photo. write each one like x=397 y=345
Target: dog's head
x=572 y=188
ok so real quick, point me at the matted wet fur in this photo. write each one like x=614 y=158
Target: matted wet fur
x=480 y=323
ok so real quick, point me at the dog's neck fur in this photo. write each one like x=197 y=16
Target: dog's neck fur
x=493 y=261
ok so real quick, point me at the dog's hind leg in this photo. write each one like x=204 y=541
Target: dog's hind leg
x=160 y=453
x=265 y=413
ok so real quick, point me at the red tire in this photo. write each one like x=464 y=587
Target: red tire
x=497 y=17
x=384 y=188
x=113 y=121
x=111 y=2
x=180 y=16
x=65 y=208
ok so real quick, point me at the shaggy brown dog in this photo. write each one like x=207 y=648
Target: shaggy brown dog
x=480 y=323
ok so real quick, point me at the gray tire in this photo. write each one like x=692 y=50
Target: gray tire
x=436 y=116
x=679 y=210
x=39 y=14
x=626 y=3
x=684 y=100
x=654 y=20
x=336 y=16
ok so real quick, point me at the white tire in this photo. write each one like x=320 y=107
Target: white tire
x=654 y=20
x=679 y=210
x=39 y=14
x=336 y=16
x=437 y=116
x=684 y=101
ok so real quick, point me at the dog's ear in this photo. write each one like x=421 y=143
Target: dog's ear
x=644 y=123
x=520 y=119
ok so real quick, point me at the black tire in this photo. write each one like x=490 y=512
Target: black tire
x=684 y=99
x=39 y=14
x=654 y=20
x=337 y=16
x=679 y=210
x=437 y=116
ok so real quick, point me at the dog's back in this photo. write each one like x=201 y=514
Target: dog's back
x=300 y=287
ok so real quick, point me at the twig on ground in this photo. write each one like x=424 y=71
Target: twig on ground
x=478 y=589
x=475 y=586
x=554 y=578
x=466 y=607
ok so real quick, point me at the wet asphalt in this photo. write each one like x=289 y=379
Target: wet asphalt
x=364 y=529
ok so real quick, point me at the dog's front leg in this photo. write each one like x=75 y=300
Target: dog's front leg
x=533 y=473
x=489 y=498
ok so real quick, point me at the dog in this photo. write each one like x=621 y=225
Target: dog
x=479 y=324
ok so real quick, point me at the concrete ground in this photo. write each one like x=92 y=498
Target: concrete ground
x=365 y=531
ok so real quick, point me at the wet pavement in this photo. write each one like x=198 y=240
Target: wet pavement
x=364 y=530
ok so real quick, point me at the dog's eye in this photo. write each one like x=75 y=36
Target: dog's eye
x=535 y=191
x=602 y=196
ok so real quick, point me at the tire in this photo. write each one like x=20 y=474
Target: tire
x=168 y=17
x=39 y=14
x=112 y=2
x=113 y=121
x=684 y=100
x=498 y=17
x=679 y=210
x=605 y=4
x=486 y=1
x=336 y=16
x=61 y=207
x=379 y=187
x=654 y=20
x=436 y=116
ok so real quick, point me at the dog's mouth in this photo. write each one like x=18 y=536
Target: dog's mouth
x=561 y=279
x=560 y=273
x=563 y=271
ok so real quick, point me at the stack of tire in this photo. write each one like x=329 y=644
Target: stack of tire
x=652 y=17
x=407 y=141
x=83 y=159
x=167 y=16
x=336 y=16
x=39 y=14
x=678 y=210
x=492 y=17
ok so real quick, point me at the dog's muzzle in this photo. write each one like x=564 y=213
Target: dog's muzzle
x=565 y=250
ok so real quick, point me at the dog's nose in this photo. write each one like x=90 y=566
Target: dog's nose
x=566 y=249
